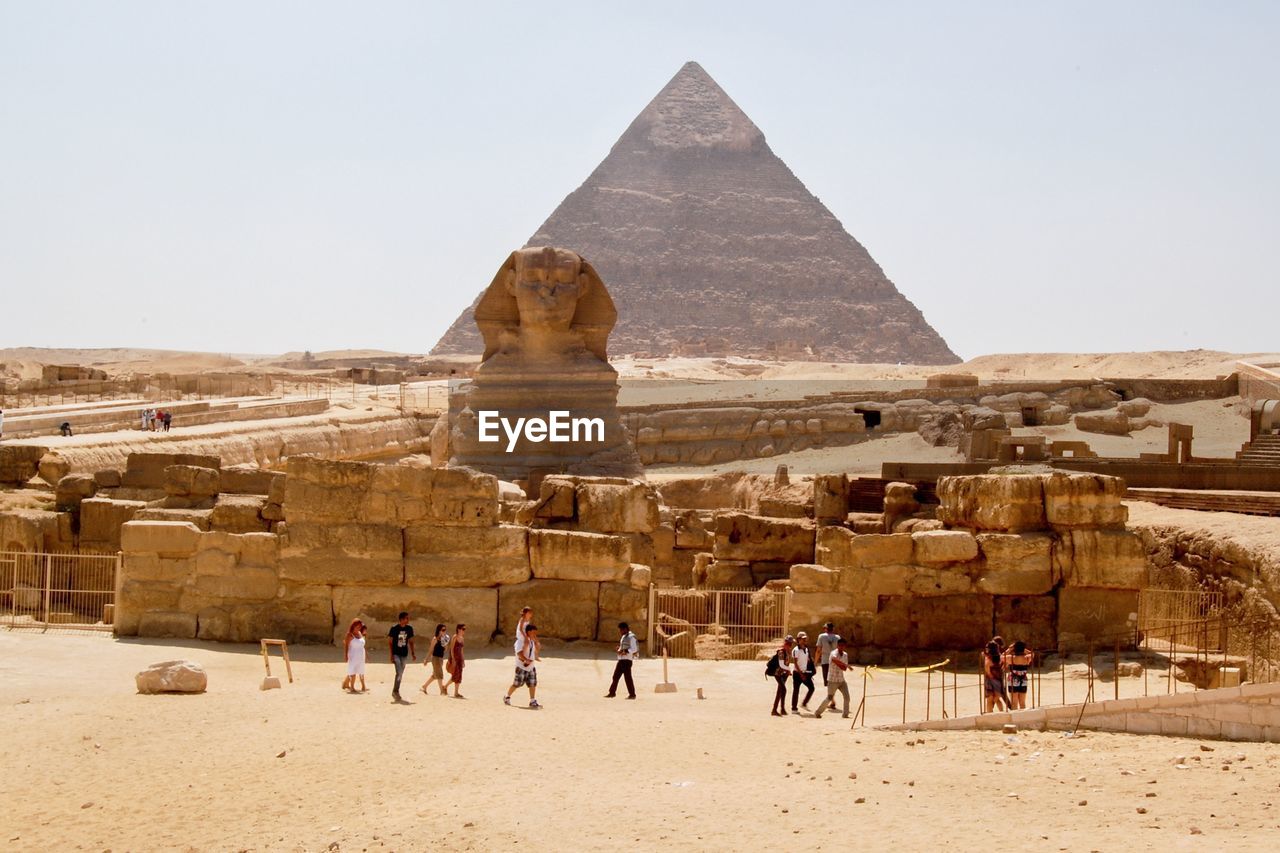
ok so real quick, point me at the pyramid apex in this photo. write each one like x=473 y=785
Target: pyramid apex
x=692 y=111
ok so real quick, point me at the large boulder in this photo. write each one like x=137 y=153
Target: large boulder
x=1114 y=559
x=191 y=481
x=72 y=489
x=575 y=556
x=170 y=539
x=806 y=577
x=1001 y=502
x=53 y=467
x=1114 y=422
x=172 y=676
x=19 y=463
x=617 y=508
x=740 y=536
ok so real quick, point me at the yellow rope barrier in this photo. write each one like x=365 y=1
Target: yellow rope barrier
x=872 y=670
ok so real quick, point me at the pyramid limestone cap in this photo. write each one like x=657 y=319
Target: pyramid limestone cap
x=692 y=111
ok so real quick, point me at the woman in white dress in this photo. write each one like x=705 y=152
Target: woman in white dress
x=355 y=656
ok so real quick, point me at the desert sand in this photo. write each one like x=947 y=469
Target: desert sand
x=90 y=760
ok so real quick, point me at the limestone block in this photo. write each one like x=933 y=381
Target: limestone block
x=838 y=547
x=556 y=498
x=53 y=467
x=692 y=534
x=939 y=581
x=172 y=676
x=1031 y=619
x=805 y=577
x=331 y=553
x=214 y=624
x=107 y=478
x=1086 y=614
x=19 y=463
x=619 y=603
x=664 y=542
x=101 y=520
x=248 y=583
x=259 y=549
x=605 y=508
x=877 y=581
x=1074 y=500
x=830 y=498
x=1002 y=502
x=640 y=577
x=138 y=597
x=466 y=556
x=952 y=622
x=1136 y=408
x=147 y=470
x=1102 y=558
x=72 y=489
x=740 y=536
x=150 y=567
x=1015 y=564
x=167 y=623
x=248 y=480
x=379 y=606
x=575 y=556
x=191 y=481
x=239 y=514
x=163 y=538
x=944 y=546
x=729 y=574
x=1112 y=422
x=198 y=517
x=810 y=610
x=299 y=613
x=564 y=609
x=30 y=530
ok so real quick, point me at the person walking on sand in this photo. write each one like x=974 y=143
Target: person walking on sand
x=168 y=419
x=628 y=651
x=779 y=668
x=527 y=657
x=826 y=645
x=802 y=672
x=439 y=642
x=457 y=660
x=839 y=662
x=400 y=645
x=355 y=654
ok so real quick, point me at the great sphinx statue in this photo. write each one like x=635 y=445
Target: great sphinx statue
x=544 y=398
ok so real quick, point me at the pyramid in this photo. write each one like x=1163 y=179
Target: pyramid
x=710 y=245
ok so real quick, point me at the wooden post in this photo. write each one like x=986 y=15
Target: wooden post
x=928 y=692
x=904 y=694
x=1116 y=670
x=1089 y=696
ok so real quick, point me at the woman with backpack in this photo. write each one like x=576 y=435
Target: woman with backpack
x=439 y=645
x=779 y=669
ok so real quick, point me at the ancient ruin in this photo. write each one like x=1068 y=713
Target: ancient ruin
x=545 y=321
x=712 y=246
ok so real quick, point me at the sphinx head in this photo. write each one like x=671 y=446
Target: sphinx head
x=547 y=284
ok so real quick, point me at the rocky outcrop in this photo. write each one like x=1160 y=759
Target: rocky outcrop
x=712 y=246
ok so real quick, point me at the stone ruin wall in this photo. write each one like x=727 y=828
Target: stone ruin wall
x=368 y=540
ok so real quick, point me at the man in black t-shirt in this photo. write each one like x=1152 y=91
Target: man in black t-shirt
x=400 y=641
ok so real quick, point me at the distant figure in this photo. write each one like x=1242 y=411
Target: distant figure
x=146 y=417
x=65 y=428
x=457 y=659
x=802 y=672
x=439 y=642
x=355 y=654
x=826 y=645
x=993 y=678
x=628 y=651
x=839 y=662
x=1018 y=659
x=400 y=644
x=526 y=665
x=779 y=668
x=168 y=419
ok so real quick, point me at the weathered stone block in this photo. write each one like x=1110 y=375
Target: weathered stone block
x=30 y=530
x=810 y=610
x=101 y=520
x=944 y=546
x=951 y=580
x=691 y=534
x=138 y=597
x=19 y=463
x=239 y=514
x=576 y=556
x=838 y=547
x=806 y=577
x=1102 y=558
x=556 y=498
x=379 y=606
x=1086 y=615
x=619 y=603
x=330 y=553
x=567 y=610
x=164 y=538
x=167 y=623
x=729 y=574
x=1084 y=500
x=830 y=498
x=248 y=480
x=466 y=556
x=198 y=517
x=1004 y=502
x=1015 y=564
x=1031 y=619
x=740 y=536
x=605 y=508
x=191 y=481
x=54 y=466
x=107 y=478
x=1113 y=422
x=72 y=489
x=248 y=583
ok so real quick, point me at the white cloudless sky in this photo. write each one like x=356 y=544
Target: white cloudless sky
x=261 y=177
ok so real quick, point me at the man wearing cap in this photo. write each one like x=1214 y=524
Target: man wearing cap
x=802 y=670
x=628 y=651
x=839 y=662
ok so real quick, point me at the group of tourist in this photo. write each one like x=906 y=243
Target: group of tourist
x=1005 y=675
x=154 y=420
x=448 y=657
x=796 y=663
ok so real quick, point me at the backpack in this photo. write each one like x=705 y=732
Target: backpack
x=771 y=668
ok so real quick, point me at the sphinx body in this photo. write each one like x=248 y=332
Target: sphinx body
x=545 y=320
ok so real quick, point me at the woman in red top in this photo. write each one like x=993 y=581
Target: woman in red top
x=457 y=660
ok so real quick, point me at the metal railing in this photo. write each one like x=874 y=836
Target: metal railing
x=65 y=591
x=717 y=624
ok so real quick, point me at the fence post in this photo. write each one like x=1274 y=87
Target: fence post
x=786 y=612
x=48 y=578
x=653 y=596
x=1116 y=672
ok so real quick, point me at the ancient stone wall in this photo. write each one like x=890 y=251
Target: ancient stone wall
x=367 y=540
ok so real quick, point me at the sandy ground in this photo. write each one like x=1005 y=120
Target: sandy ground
x=93 y=766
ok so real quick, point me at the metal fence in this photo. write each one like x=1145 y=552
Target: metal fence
x=44 y=590
x=717 y=624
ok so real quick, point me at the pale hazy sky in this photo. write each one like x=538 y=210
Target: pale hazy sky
x=269 y=176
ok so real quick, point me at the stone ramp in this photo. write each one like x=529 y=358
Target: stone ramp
x=1247 y=503
x=1250 y=712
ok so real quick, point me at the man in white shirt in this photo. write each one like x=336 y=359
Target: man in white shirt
x=839 y=662
x=826 y=645
x=801 y=671
x=526 y=665
x=628 y=652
